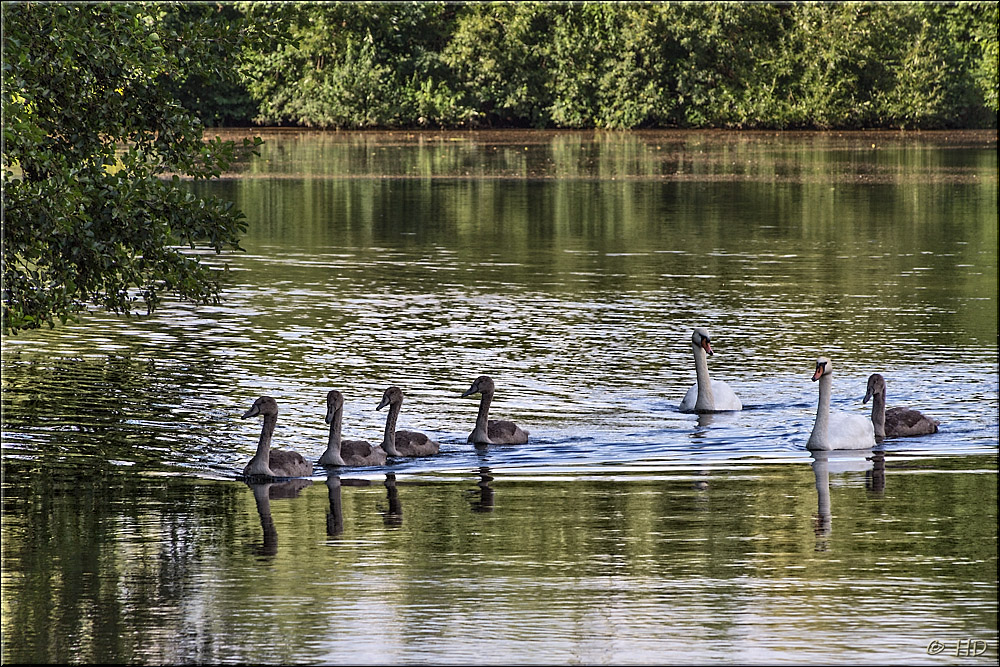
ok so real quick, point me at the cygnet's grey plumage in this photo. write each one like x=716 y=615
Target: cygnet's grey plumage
x=340 y=452
x=492 y=431
x=895 y=422
x=402 y=443
x=268 y=462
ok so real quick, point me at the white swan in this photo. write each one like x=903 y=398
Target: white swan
x=492 y=431
x=895 y=422
x=402 y=443
x=836 y=430
x=705 y=395
x=346 y=452
x=267 y=462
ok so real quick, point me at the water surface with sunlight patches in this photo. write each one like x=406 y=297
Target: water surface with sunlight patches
x=571 y=267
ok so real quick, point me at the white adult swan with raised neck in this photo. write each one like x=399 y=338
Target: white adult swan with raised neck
x=706 y=395
x=492 y=431
x=895 y=422
x=340 y=452
x=268 y=462
x=402 y=443
x=836 y=430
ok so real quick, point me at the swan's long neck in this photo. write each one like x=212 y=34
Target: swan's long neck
x=483 y=418
x=259 y=464
x=878 y=413
x=389 y=441
x=706 y=400
x=822 y=426
x=332 y=453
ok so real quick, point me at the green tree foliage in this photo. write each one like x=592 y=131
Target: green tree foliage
x=94 y=143
x=357 y=65
x=629 y=65
x=497 y=55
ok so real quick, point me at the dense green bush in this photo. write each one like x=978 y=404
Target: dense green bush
x=356 y=65
x=629 y=65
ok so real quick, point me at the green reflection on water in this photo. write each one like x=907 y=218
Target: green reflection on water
x=839 y=224
x=152 y=570
x=574 y=260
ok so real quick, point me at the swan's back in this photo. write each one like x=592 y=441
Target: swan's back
x=285 y=463
x=505 y=432
x=726 y=399
x=361 y=453
x=414 y=443
x=902 y=422
x=849 y=431
x=690 y=399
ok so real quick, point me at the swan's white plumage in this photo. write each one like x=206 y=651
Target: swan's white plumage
x=725 y=398
x=847 y=431
x=707 y=395
x=836 y=430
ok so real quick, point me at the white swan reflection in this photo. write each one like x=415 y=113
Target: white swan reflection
x=837 y=461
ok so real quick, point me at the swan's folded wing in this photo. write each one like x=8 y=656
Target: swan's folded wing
x=503 y=431
x=906 y=419
x=414 y=443
x=355 y=449
x=286 y=463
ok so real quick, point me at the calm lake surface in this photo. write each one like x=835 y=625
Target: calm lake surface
x=571 y=267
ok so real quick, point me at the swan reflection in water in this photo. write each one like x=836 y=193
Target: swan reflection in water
x=840 y=461
x=393 y=515
x=263 y=493
x=485 y=501
x=875 y=477
x=334 y=517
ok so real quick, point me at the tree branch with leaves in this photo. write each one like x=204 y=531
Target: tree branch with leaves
x=96 y=145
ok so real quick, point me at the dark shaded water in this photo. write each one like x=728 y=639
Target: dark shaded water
x=571 y=267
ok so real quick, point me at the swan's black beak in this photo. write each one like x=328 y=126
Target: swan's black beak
x=382 y=404
x=252 y=412
x=868 y=395
x=472 y=390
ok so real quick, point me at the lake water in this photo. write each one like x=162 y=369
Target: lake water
x=571 y=267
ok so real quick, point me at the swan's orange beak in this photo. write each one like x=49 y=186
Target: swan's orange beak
x=706 y=346
x=819 y=373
